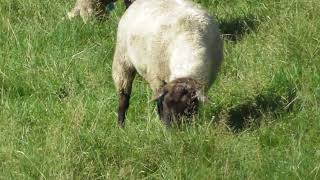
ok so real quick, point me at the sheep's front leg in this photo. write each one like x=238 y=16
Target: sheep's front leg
x=123 y=107
x=123 y=75
x=124 y=89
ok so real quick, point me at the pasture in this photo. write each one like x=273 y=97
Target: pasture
x=58 y=102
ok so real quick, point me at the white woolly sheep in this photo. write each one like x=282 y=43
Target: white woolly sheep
x=88 y=8
x=175 y=46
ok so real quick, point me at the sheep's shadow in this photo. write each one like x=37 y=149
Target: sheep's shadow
x=235 y=29
x=249 y=114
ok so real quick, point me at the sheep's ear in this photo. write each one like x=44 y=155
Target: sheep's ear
x=201 y=97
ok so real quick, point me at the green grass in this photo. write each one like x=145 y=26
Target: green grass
x=58 y=102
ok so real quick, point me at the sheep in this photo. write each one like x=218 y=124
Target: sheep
x=88 y=8
x=176 y=46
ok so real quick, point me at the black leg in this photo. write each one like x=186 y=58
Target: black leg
x=160 y=108
x=167 y=119
x=123 y=107
x=166 y=115
x=127 y=3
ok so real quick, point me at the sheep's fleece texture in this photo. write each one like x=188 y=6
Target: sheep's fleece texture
x=84 y=8
x=164 y=40
x=88 y=8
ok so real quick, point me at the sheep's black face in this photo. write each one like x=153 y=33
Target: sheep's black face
x=178 y=99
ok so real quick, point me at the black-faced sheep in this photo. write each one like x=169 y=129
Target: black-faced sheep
x=175 y=46
x=88 y=8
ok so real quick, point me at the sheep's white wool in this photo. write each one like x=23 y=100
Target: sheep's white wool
x=164 y=40
x=84 y=8
x=88 y=8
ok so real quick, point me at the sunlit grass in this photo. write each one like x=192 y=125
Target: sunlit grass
x=58 y=103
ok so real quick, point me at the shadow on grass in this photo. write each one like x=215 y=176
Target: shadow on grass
x=15 y=88
x=249 y=114
x=235 y=29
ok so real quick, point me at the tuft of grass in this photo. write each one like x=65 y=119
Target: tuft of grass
x=58 y=103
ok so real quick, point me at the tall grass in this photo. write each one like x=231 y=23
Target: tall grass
x=58 y=102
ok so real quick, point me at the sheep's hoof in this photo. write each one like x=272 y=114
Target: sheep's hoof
x=121 y=125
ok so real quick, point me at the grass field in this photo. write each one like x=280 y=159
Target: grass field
x=58 y=103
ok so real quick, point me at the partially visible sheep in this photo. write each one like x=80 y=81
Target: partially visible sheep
x=88 y=8
x=173 y=44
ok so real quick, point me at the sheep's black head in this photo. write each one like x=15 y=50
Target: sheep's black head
x=178 y=98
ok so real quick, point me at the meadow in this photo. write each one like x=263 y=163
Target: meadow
x=58 y=102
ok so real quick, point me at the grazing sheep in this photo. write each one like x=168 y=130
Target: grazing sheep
x=175 y=46
x=87 y=8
